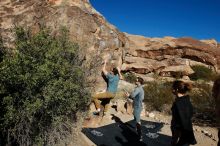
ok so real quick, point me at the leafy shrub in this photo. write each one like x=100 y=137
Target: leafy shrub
x=177 y=75
x=2 y=49
x=158 y=95
x=42 y=88
x=130 y=77
x=203 y=103
x=202 y=72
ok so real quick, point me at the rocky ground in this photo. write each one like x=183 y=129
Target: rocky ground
x=206 y=136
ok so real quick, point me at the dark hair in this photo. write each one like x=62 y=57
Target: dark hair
x=139 y=79
x=181 y=87
x=216 y=88
x=115 y=71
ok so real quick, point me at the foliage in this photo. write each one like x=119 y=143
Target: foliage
x=2 y=49
x=42 y=87
x=203 y=103
x=157 y=95
x=130 y=77
x=202 y=72
x=177 y=75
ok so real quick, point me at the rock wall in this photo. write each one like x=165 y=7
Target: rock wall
x=86 y=26
x=101 y=40
x=168 y=55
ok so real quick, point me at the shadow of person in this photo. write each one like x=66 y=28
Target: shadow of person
x=130 y=142
x=130 y=135
x=119 y=133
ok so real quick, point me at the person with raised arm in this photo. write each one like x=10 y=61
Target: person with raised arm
x=112 y=79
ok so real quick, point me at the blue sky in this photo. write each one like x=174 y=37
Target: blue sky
x=199 y=19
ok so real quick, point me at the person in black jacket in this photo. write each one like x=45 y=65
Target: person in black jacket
x=182 y=112
x=216 y=95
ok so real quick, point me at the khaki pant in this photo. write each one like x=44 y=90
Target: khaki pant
x=105 y=97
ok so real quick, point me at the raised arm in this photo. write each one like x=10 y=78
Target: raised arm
x=104 y=68
x=119 y=73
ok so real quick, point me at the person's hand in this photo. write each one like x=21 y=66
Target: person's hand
x=126 y=93
x=105 y=61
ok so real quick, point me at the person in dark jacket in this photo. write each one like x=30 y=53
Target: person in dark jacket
x=137 y=96
x=216 y=95
x=182 y=112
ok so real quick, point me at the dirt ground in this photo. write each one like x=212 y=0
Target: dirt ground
x=205 y=136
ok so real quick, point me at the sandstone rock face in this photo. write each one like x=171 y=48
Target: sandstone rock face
x=212 y=42
x=86 y=26
x=101 y=40
x=168 y=55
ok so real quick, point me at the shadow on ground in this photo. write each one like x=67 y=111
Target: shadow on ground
x=124 y=134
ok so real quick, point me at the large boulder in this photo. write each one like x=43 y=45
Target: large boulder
x=168 y=55
x=133 y=53
x=184 y=69
x=86 y=26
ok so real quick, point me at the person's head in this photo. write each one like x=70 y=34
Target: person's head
x=216 y=88
x=139 y=81
x=181 y=87
x=115 y=71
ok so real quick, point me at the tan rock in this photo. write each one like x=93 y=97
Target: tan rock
x=212 y=42
x=151 y=115
x=186 y=70
x=134 y=53
x=121 y=106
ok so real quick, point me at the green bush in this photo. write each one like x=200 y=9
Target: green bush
x=202 y=72
x=130 y=77
x=203 y=103
x=158 y=95
x=177 y=75
x=2 y=49
x=42 y=88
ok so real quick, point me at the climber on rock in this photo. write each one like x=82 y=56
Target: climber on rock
x=112 y=79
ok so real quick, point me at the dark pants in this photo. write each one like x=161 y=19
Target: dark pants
x=177 y=138
x=139 y=131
